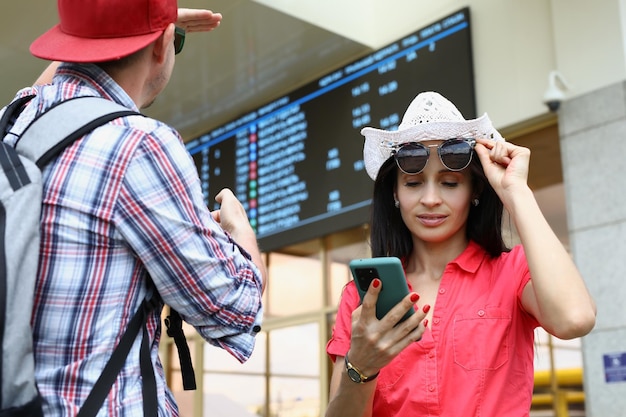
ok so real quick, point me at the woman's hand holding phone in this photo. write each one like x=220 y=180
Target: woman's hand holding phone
x=375 y=342
x=389 y=270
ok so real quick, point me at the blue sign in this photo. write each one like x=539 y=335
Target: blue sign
x=615 y=367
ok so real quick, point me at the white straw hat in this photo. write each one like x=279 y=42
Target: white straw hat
x=430 y=116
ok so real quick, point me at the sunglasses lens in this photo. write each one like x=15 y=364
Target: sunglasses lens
x=455 y=154
x=179 y=39
x=412 y=158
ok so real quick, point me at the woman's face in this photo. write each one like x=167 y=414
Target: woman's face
x=435 y=203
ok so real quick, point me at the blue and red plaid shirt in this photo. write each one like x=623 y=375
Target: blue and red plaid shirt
x=120 y=205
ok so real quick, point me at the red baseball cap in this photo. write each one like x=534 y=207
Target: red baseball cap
x=104 y=30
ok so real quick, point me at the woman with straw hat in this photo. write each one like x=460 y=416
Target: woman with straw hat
x=441 y=185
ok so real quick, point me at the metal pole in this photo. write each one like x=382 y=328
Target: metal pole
x=559 y=400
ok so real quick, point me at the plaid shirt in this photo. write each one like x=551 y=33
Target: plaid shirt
x=121 y=204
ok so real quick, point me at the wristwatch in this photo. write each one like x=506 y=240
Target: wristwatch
x=356 y=375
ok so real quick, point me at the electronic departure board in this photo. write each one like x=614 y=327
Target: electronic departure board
x=296 y=163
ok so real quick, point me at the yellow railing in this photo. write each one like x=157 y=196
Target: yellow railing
x=558 y=389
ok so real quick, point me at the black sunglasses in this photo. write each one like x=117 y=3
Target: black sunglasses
x=179 y=39
x=455 y=155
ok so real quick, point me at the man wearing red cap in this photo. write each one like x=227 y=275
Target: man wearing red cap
x=123 y=213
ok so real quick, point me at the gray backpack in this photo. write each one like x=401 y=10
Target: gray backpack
x=20 y=208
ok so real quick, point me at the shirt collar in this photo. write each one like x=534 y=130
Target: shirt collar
x=95 y=78
x=470 y=259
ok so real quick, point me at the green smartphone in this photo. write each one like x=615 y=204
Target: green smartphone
x=390 y=272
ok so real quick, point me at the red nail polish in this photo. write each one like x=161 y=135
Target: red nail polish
x=375 y=282
x=414 y=297
x=426 y=308
x=425 y=322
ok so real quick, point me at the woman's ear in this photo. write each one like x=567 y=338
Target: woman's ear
x=478 y=189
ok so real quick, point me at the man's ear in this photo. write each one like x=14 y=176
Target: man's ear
x=163 y=43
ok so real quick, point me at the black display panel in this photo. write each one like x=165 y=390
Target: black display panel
x=296 y=163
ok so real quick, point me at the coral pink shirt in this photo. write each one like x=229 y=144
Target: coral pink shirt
x=477 y=357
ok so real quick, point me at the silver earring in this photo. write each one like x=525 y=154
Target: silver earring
x=396 y=203
x=475 y=202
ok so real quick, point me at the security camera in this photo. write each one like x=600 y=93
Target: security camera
x=553 y=105
x=555 y=94
x=553 y=100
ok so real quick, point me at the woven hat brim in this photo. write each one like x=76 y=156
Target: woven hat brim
x=379 y=143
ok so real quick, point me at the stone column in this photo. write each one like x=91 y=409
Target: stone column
x=592 y=130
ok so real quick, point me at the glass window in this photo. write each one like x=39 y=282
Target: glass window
x=349 y=245
x=294 y=368
x=295 y=350
x=294 y=397
x=339 y=276
x=230 y=388
x=294 y=286
x=233 y=395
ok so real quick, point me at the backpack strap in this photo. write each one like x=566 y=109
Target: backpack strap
x=174 y=324
x=48 y=135
x=103 y=385
x=11 y=112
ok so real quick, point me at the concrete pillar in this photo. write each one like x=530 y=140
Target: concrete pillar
x=592 y=130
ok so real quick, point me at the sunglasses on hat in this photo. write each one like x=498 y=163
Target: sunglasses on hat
x=454 y=154
x=179 y=39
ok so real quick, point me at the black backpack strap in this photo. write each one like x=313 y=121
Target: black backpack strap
x=49 y=134
x=11 y=112
x=103 y=385
x=174 y=324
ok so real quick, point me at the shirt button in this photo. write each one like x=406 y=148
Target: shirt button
x=442 y=290
x=436 y=320
x=431 y=354
x=481 y=313
x=431 y=388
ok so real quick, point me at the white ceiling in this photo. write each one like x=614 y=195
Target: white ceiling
x=256 y=55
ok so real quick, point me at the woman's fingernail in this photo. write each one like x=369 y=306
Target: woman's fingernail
x=426 y=308
x=414 y=297
x=376 y=283
x=425 y=322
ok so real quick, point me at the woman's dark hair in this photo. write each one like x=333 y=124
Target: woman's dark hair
x=389 y=235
